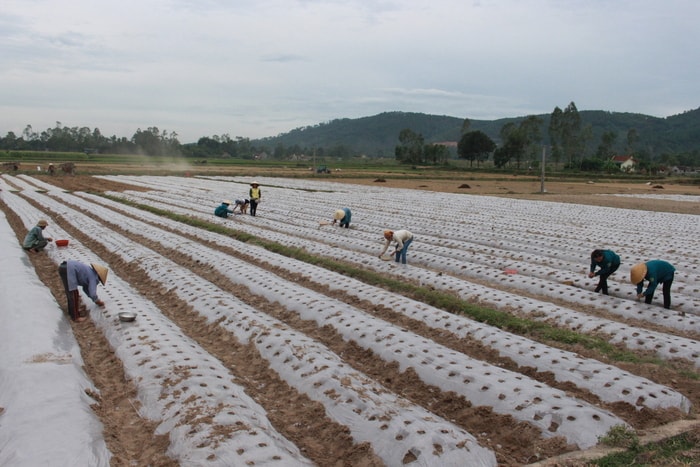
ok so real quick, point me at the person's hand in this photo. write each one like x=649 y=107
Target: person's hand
x=99 y=302
x=591 y=274
x=49 y=239
x=640 y=295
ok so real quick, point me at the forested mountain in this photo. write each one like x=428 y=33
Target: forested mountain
x=378 y=135
x=579 y=135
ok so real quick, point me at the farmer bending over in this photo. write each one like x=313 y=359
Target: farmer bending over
x=403 y=239
x=75 y=274
x=223 y=210
x=343 y=216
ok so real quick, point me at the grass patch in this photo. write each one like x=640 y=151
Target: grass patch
x=680 y=450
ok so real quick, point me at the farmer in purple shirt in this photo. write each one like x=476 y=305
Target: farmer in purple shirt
x=75 y=274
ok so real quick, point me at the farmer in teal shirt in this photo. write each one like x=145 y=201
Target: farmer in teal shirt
x=656 y=272
x=344 y=216
x=608 y=262
x=222 y=210
x=35 y=240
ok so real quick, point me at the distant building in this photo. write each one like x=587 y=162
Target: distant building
x=449 y=144
x=625 y=163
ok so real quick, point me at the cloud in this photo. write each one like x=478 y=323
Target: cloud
x=261 y=68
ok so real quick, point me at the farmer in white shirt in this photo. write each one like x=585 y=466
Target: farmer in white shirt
x=403 y=239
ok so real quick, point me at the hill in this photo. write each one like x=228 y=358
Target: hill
x=378 y=135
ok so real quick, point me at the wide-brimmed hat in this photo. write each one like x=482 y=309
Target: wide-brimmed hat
x=388 y=234
x=637 y=273
x=227 y=201
x=254 y=183
x=42 y=223
x=338 y=214
x=101 y=272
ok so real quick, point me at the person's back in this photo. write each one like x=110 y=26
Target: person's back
x=660 y=270
x=222 y=210
x=35 y=240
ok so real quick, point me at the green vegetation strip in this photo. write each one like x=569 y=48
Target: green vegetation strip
x=678 y=450
x=540 y=331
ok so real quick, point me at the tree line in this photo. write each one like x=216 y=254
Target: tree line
x=149 y=142
x=568 y=144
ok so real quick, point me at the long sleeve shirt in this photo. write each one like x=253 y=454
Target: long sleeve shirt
x=658 y=272
x=610 y=259
x=82 y=275
x=222 y=210
x=346 y=219
x=34 y=237
x=400 y=236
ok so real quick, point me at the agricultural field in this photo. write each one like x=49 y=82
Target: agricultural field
x=280 y=339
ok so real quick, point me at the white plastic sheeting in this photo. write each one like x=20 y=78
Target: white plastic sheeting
x=466 y=241
x=393 y=426
x=45 y=414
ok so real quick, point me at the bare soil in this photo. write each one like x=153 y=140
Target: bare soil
x=133 y=442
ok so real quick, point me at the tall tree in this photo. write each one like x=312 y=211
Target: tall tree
x=567 y=136
x=410 y=151
x=571 y=136
x=465 y=125
x=475 y=146
x=632 y=138
x=554 y=131
x=605 y=148
x=531 y=131
x=436 y=153
x=514 y=144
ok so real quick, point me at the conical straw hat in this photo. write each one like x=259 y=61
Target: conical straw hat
x=101 y=272
x=638 y=272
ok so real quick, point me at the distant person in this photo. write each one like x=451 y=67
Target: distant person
x=223 y=209
x=608 y=262
x=241 y=205
x=35 y=240
x=254 y=194
x=403 y=239
x=656 y=272
x=75 y=274
x=343 y=216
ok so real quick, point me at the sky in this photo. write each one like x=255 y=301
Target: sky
x=257 y=68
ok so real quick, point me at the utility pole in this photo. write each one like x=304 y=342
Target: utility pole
x=542 y=188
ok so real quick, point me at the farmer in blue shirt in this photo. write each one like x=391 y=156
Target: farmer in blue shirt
x=343 y=216
x=656 y=272
x=608 y=262
x=223 y=210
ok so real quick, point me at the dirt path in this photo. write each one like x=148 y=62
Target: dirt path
x=132 y=440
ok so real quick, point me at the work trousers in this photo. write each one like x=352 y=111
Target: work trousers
x=253 y=207
x=603 y=280
x=72 y=296
x=666 y=288
x=401 y=254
